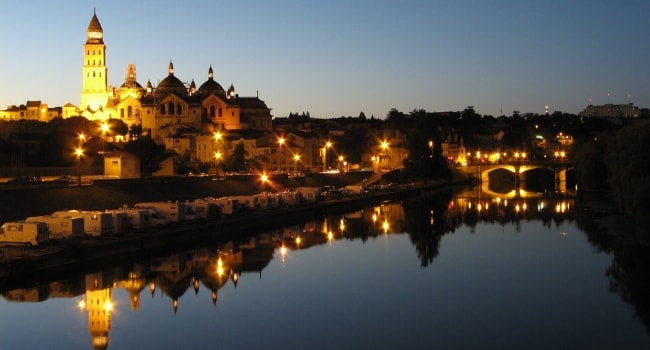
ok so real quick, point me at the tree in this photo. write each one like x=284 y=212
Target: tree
x=151 y=154
x=135 y=131
x=425 y=159
x=237 y=160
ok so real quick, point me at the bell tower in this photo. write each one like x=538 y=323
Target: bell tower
x=94 y=92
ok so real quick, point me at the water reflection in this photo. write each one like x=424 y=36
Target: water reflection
x=425 y=219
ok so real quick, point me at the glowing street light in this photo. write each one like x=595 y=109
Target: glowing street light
x=104 y=128
x=280 y=143
x=328 y=144
x=217 y=162
x=296 y=159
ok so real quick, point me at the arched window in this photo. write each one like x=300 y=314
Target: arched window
x=122 y=113
x=220 y=112
x=94 y=74
x=162 y=109
x=179 y=109
x=129 y=112
x=213 y=111
x=170 y=107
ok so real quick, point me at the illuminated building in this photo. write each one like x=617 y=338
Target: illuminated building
x=164 y=109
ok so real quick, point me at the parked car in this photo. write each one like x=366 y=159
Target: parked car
x=25 y=179
x=66 y=179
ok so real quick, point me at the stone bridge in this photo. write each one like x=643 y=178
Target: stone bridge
x=519 y=168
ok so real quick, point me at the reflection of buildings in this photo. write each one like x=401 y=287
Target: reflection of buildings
x=99 y=305
x=230 y=263
x=473 y=206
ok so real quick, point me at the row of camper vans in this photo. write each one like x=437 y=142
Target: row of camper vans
x=79 y=223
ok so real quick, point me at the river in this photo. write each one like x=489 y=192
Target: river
x=461 y=271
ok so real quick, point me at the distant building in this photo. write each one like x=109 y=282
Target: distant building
x=32 y=110
x=611 y=111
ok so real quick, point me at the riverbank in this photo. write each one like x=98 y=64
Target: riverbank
x=18 y=264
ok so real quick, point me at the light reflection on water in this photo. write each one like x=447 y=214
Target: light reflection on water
x=464 y=273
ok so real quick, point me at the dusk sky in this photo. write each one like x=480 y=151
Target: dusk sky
x=341 y=57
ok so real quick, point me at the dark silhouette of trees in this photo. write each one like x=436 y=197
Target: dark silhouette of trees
x=151 y=154
x=237 y=160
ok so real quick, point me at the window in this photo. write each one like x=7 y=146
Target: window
x=162 y=109
x=212 y=111
x=179 y=109
x=129 y=112
x=170 y=107
x=122 y=113
x=220 y=112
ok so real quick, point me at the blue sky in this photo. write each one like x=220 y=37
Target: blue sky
x=339 y=58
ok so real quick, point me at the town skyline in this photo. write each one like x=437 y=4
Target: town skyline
x=339 y=59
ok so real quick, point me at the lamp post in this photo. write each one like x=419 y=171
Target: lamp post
x=296 y=159
x=280 y=143
x=79 y=152
x=217 y=152
x=384 y=147
x=104 y=129
x=217 y=163
x=328 y=144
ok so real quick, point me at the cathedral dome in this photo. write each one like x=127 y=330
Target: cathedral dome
x=211 y=86
x=171 y=84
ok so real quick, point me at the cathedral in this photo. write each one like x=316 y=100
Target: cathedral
x=164 y=109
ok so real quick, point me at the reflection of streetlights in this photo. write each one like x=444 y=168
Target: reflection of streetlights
x=341 y=163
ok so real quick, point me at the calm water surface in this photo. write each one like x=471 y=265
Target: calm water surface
x=462 y=273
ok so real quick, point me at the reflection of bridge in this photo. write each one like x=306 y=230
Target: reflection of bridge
x=519 y=168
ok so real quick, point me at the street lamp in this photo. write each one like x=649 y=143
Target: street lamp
x=280 y=143
x=79 y=152
x=296 y=159
x=104 y=128
x=328 y=144
x=217 y=161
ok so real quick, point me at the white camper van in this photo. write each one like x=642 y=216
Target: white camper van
x=203 y=209
x=227 y=205
x=96 y=223
x=309 y=194
x=138 y=218
x=24 y=233
x=61 y=227
x=248 y=202
x=120 y=221
x=173 y=211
